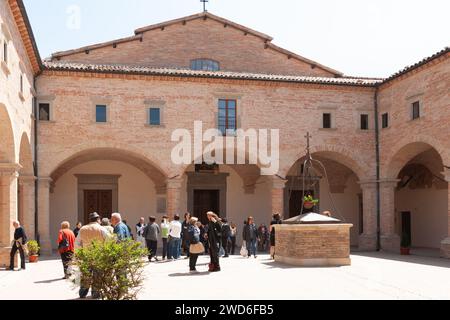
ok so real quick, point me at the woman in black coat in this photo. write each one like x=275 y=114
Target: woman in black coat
x=214 y=238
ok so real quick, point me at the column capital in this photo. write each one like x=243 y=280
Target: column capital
x=446 y=174
x=389 y=183
x=26 y=180
x=384 y=183
x=10 y=169
x=278 y=182
x=174 y=183
x=368 y=184
x=45 y=182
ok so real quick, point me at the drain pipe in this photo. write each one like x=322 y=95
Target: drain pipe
x=36 y=171
x=377 y=157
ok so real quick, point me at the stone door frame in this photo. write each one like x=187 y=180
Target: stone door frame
x=97 y=182
x=207 y=181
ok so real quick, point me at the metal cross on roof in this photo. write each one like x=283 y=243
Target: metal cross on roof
x=204 y=4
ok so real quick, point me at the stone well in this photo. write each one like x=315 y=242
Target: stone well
x=313 y=240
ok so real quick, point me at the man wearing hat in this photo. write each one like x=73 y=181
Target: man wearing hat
x=88 y=234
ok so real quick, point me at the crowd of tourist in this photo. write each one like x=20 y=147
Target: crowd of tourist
x=190 y=238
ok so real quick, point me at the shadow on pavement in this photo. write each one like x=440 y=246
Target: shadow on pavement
x=50 y=281
x=418 y=259
x=188 y=274
x=279 y=265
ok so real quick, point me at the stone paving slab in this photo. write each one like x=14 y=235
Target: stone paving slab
x=371 y=276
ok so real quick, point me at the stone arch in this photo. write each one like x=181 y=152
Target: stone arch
x=336 y=153
x=60 y=158
x=138 y=160
x=7 y=144
x=403 y=152
x=25 y=156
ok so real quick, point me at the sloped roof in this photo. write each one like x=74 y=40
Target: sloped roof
x=139 y=70
x=418 y=64
x=204 y=15
x=26 y=33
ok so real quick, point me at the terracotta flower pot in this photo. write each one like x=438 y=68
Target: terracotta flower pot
x=404 y=251
x=33 y=258
x=308 y=204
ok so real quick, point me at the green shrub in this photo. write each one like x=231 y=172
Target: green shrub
x=33 y=247
x=114 y=268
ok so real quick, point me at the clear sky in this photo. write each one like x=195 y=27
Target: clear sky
x=357 y=37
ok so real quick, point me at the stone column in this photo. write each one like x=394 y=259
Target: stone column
x=44 y=214
x=368 y=239
x=390 y=241
x=8 y=202
x=8 y=208
x=277 y=195
x=27 y=204
x=173 y=196
x=445 y=244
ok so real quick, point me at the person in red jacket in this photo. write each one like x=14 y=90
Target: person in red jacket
x=66 y=246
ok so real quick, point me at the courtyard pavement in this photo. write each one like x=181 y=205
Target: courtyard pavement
x=371 y=276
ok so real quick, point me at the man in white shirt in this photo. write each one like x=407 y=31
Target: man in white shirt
x=140 y=231
x=175 y=238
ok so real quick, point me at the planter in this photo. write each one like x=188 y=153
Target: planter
x=33 y=258
x=404 y=251
x=308 y=205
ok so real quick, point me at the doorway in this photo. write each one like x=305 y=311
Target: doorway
x=99 y=201
x=406 y=225
x=295 y=202
x=204 y=201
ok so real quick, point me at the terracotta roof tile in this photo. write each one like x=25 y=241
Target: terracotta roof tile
x=139 y=70
x=418 y=64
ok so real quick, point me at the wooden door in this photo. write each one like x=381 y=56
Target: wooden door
x=204 y=201
x=99 y=201
x=406 y=224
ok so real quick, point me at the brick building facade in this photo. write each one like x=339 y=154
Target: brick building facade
x=105 y=115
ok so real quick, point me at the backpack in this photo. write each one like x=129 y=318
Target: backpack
x=64 y=243
x=192 y=236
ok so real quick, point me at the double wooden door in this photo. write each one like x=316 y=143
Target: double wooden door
x=204 y=201
x=99 y=201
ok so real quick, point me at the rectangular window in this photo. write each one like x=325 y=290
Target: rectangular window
x=227 y=116
x=415 y=110
x=154 y=116
x=100 y=113
x=384 y=120
x=44 y=112
x=326 y=120
x=364 y=122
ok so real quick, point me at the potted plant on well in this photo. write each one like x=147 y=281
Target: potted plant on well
x=309 y=202
x=33 y=250
x=405 y=244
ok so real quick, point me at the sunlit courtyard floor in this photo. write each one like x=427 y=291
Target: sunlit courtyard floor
x=371 y=276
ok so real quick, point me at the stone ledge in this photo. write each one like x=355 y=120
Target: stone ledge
x=315 y=262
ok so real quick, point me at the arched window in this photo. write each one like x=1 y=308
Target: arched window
x=205 y=65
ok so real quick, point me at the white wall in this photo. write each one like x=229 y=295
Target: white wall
x=137 y=196
x=428 y=209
